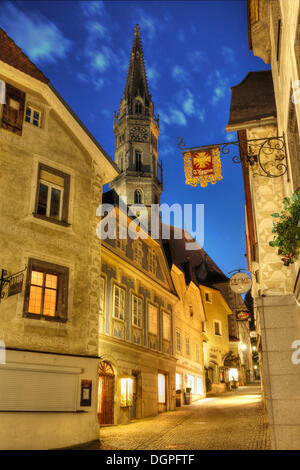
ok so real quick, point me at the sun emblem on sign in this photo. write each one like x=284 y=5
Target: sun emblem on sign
x=202 y=160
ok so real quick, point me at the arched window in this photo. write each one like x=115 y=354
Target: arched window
x=138 y=161
x=138 y=196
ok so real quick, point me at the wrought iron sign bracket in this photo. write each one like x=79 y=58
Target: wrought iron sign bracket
x=15 y=282
x=266 y=155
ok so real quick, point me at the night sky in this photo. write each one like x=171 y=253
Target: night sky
x=194 y=52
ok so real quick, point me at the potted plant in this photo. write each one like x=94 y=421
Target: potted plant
x=287 y=229
x=178 y=397
x=208 y=384
x=187 y=396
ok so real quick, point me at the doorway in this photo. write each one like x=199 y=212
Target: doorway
x=106 y=389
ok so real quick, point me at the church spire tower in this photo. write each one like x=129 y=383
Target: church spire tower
x=136 y=131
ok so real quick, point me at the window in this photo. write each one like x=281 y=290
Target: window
x=126 y=392
x=119 y=303
x=208 y=297
x=166 y=326
x=102 y=294
x=137 y=311
x=138 y=251
x=200 y=390
x=138 y=161
x=217 y=328
x=178 y=381
x=52 y=195
x=278 y=44
x=203 y=326
x=121 y=240
x=152 y=319
x=33 y=116
x=46 y=290
x=187 y=345
x=138 y=196
x=191 y=383
x=138 y=107
x=152 y=261
x=13 y=110
x=178 y=340
x=161 y=388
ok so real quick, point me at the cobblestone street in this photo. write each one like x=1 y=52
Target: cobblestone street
x=231 y=421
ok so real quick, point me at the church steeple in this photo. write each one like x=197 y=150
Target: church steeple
x=136 y=131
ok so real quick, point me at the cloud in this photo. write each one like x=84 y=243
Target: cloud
x=197 y=59
x=179 y=74
x=180 y=36
x=230 y=136
x=91 y=9
x=173 y=116
x=229 y=55
x=148 y=24
x=42 y=41
x=153 y=75
x=190 y=104
x=221 y=86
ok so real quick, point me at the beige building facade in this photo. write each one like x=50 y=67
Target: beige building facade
x=266 y=105
x=51 y=176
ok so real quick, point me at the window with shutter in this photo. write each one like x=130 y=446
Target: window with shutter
x=152 y=319
x=13 y=110
x=119 y=303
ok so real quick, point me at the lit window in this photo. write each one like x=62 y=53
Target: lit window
x=200 y=390
x=137 y=311
x=126 y=392
x=191 y=383
x=153 y=319
x=52 y=199
x=161 y=388
x=166 y=326
x=33 y=116
x=119 y=302
x=178 y=341
x=178 y=381
x=152 y=261
x=46 y=290
x=217 y=328
x=187 y=345
x=102 y=294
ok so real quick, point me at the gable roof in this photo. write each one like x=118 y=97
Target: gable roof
x=13 y=55
x=253 y=98
x=196 y=264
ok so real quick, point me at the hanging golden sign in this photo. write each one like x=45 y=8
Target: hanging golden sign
x=202 y=166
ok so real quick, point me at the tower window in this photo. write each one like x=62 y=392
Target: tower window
x=138 y=107
x=138 y=161
x=138 y=196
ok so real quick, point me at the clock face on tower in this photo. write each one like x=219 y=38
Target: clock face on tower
x=138 y=134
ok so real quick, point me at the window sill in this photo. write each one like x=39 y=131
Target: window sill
x=49 y=219
x=35 y=316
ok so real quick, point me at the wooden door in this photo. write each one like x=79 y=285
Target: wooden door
x=106 y=394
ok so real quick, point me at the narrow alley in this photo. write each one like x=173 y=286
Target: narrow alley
x=231 y=421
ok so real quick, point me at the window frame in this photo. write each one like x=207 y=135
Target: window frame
x=178 y=335
x=209 y=299
x=65 y=197
x=140 y=301
x=115 y=285
x=33 y=109
x=102 y=279
x=157 y=318
x=62 y=290
x=220 y=328
x=187 y=345
x=164 y=315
